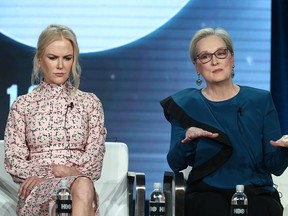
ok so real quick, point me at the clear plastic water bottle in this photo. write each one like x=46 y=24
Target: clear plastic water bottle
x=239 y=202
x=157 y=201
x=63 y=200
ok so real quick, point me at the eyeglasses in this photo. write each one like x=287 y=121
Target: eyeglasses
x=221 y=53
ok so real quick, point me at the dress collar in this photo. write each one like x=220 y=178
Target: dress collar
x=53 y=90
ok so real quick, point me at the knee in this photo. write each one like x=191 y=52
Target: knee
x=265 y=205
x=83 y=189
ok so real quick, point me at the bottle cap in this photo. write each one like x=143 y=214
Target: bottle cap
x=240 y=188
x=63 y=182
x=157 y=185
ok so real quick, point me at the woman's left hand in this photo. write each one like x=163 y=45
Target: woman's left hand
x=63 y=171
x=283 y=142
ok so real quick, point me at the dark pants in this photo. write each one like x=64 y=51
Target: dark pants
x=204 y=200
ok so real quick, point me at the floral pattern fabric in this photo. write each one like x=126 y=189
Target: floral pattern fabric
x=54 y=124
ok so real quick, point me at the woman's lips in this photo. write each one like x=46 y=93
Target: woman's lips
x=217 y=70
x=59 y=74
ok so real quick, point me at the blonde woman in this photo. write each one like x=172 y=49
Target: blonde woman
x=56 y=131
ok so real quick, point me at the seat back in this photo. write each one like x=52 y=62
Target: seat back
x=4 y=176
x=8 y=189
x=112 y=186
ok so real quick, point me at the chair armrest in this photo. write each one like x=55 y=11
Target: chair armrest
x=167 y=189
x=179 y=194
x=130 y=186
x=140 y=194
x=9 y=190
x=174 y=190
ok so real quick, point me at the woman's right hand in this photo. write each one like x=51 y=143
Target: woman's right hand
x=27 y=186
x=194 y=133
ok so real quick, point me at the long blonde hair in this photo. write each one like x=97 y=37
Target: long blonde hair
x=50 y=34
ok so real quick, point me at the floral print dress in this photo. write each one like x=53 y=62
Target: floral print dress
x=54 y=124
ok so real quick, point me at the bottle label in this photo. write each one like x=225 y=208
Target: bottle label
x=63 y=206
x=157 y=209
x=239 y=210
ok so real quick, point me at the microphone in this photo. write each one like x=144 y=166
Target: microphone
x=240 y=111
x=71 y=105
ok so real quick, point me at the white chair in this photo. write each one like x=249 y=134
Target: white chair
x=8 y=189
x=115 y=187
x=174 y=189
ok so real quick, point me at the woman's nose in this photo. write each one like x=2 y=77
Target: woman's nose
x=214 y=60
x=60 y=64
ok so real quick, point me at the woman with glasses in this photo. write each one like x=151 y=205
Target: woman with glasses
x=229 y=134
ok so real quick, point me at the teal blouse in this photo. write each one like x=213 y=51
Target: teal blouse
x=249 y=120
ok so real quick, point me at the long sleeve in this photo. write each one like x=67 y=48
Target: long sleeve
x=17 y=161
x=90 y=162
x=180 y=154
x=276 y=158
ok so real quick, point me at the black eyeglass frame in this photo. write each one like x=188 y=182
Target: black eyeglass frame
x=215 y=54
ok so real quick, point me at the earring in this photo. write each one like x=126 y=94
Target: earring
x=198 y=81
x=232 y=73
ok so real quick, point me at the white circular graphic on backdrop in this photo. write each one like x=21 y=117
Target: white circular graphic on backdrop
x=99 y=24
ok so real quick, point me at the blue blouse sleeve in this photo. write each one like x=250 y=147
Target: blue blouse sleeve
x=180 y=154
x=276 y=158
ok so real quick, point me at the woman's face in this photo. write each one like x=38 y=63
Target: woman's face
x=217 y=70
x=56 y=62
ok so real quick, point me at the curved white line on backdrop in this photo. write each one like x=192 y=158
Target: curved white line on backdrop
x=99 y=24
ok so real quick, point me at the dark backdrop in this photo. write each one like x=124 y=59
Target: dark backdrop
x=132 y=79
x=279 y=55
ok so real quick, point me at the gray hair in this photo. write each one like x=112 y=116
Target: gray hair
x=205 y=32
x=50 y=34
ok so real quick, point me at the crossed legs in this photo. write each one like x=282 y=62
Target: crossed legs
x=83 y=197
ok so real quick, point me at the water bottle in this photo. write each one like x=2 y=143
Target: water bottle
x=157 y=201
x=63 y=200
x=239 y=202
